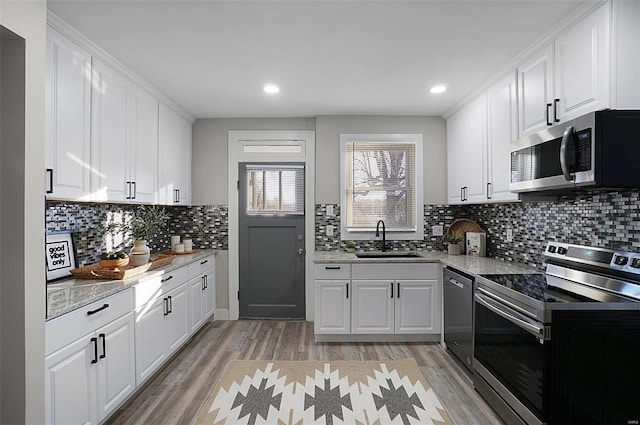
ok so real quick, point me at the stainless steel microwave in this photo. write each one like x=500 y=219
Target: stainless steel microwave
x=599 y=149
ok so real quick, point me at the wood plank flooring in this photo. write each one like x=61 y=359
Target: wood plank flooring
x=176 y=394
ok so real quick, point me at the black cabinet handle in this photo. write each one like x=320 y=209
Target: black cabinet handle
x=105 y=306
x=206 y=281
x=166 y=279
x=488 y=190
x=391 y=289
x=104 y=346
x=332 y=267
x=555 y=110
x=170 y=304
x=202 y=283
x=548 y=122
x=398 y=290
x=94 y=341
x=165 y=306
x=50 y=172
x=202 y=263
x=128 y=190
x=462 y=193
x=178 y=197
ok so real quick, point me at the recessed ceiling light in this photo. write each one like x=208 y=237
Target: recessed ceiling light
x=438 y=89
x=271 y=88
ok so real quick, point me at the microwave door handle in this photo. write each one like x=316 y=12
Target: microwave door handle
x=537 y=331
x=564 y=153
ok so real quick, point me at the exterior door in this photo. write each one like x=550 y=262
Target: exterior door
x=271 y=219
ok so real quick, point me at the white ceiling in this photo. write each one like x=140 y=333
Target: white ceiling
x=328 y=57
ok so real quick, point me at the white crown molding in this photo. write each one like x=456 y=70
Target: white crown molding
x=55 y=22
x=574 y=17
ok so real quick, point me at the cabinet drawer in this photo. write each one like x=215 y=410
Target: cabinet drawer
x=395 y=271
x=202 y=265
x=69 y=327
x=333 y=271
x=154 y=286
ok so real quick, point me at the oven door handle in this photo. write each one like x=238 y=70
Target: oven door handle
x=538 y=331
x=501 y=300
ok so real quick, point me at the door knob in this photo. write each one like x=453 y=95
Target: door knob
x=300 y=251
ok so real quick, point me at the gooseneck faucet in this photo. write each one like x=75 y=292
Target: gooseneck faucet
x=384 y=235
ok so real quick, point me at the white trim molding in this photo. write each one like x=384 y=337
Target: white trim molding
x=270 y=146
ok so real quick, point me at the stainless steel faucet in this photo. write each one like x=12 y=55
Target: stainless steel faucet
x=384 y=235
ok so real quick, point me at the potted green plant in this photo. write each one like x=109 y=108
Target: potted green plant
x=350 y=246
x=142 y=226
x=453 y=243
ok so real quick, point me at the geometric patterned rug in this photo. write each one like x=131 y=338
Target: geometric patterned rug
x=323 y=393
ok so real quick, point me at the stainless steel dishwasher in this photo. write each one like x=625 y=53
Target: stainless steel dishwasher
x=458 y=315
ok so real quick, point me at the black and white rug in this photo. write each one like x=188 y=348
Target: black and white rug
x=323 y=393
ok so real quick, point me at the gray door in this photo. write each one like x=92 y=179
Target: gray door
x=271 y=208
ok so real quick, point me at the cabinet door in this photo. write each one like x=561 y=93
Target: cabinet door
x=196 y=302
x=150 y=338
x=502 y=128
x=178 y=319
x=143 y=146
x=116 y=365
x=68 y=115
x=454 y=151
x=417 y=308
x=168 y=155
x=109 y=154
x=332 y=307
x=474 y=152
x=209 y=294
x=535 y=91
x=582 y=65
x=184 y=169
x=372 y=307
x=70 y=384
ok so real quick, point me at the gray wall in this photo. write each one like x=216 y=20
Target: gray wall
x=22 y=319
x=329 y=128
x=209 y=152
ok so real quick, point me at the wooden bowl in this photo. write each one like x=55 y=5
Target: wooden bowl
x=114 y=264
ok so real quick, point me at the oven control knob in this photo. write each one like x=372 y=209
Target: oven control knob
x=551 y=249
x=635 y=263
x=621 y=260
x=562 y=250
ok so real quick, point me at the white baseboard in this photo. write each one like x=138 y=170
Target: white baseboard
x=221 y=314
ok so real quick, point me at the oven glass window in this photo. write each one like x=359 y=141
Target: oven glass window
x=536 y=162
x=512 y=355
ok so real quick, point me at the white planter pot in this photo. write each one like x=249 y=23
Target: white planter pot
x=453 y=248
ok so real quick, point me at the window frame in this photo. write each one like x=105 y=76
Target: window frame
x=369 y=233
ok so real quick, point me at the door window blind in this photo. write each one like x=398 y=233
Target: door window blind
x=275 y=189
x=381 y=184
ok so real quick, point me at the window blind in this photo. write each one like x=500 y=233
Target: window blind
x=381 y=184
x=275 y=189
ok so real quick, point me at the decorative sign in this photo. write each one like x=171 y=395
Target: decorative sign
x=60 y=255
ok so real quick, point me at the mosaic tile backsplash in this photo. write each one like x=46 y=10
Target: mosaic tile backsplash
x=596 y=218
x=206 y=225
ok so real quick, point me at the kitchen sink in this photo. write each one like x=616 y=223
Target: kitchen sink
x=387 y=254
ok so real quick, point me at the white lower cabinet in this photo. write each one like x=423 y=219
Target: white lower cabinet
x=377 y=299
x=202 y=291
x=88 y=378
x=162 y=326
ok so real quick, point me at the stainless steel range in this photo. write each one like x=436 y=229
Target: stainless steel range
x=561 y=347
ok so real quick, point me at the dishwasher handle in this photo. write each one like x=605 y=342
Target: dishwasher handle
x=456 y=283
x=458 y=279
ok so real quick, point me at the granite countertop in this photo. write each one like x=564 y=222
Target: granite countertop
x=469 y=264
x=67 y=295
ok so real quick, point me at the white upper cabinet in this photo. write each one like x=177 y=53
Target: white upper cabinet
x=502 y=129
x=535 y=91
x=569 y=77
x=109 y=145
x=124 y=142
x=174 y=155
x=143 y=147
x=68 y=115
x=467 y=153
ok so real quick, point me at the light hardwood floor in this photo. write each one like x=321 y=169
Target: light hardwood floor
x=176 y=394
